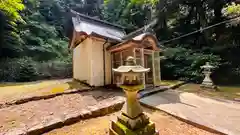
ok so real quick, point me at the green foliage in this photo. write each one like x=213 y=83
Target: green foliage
x=26 y=69
x=23 y=69
x=42 y=36
x=128 y=13
x=55 y=69
x=231 y=11
x=11 y=8
x=9 y=16
x=38 y=38
x=184 y=64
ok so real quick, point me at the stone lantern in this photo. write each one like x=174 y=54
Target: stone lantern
x=207 y=82
x=132 y=121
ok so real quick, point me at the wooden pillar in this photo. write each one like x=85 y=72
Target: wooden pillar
x=134 y=53
x=159 y=59
x=142 y=60
x=121 y=61
x=112 y=66
x=153 y=70
x=121 y=58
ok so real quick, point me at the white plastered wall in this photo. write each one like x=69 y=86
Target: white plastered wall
x=98 y=63
x=81 y=61
x=108 y=66
x=88 y=62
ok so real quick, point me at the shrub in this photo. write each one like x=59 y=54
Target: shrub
x=25 y=69
x=184 y=64
x=54 y=69
x=18 y=69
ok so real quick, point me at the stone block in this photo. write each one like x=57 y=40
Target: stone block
x=85 y=114
x=94 y=110
x=134 y=124
x=72 y=117
x=36 y=129
x=16 y=131
x=118 y=128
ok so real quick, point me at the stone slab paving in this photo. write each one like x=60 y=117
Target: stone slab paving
x=39 y=96
x=220 y=116
x=32 y=116
x=150 y=91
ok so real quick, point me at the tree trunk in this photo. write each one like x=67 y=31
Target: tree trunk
x=203 y=21
x=218 y=5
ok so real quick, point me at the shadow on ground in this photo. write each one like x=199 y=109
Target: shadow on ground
x=169 y=97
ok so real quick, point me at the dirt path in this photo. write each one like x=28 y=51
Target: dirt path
x=23 y=117
x=166 y=124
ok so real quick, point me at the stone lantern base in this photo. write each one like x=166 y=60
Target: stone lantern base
x=132 y=126
x=208 y=83
x=209 y=87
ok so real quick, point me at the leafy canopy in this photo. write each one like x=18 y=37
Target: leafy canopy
x=12 y=8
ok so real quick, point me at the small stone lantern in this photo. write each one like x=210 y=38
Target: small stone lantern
x=207 y=82
x=133 y=121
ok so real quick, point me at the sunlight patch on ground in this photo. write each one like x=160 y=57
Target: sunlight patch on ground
x=43 y=87
x=227 y=92
x=17 y=88
x=59 y=88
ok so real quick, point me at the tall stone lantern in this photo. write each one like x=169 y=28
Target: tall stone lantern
x=132 y=121
x=207 y=82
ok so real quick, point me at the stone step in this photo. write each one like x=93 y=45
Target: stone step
x=37 y=117
x=27 y=98
x=150 y=91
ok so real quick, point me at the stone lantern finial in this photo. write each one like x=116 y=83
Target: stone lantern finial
x=130 y=61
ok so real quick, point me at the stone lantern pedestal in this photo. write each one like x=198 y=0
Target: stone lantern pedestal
x=207 y=82
x=132 y=121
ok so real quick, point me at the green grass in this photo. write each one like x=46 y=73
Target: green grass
x=226 y=92
x=170 y=82
x=18 y=88
x=41 y=87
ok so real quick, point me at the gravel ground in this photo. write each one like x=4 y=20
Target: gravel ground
x=167 y=125
x=30 y=114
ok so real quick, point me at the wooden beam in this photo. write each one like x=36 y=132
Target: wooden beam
x=72 y=40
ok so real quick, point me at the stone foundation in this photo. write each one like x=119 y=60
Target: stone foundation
x=209 y=87
x=132 y=126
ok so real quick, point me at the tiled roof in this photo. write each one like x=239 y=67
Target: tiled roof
x=90 y=25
